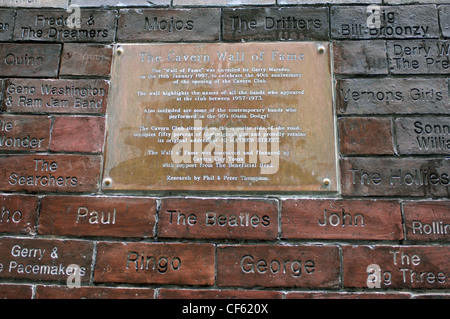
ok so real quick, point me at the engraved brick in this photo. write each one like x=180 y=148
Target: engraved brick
x=419 y=57
x=218 y=218
x=398 y=267
x=89 y=132
x=41 y=259
x=51 y=26
x=354 y=57
x=299 y=23
x=11 y=291
x=200 y=24
x=6 y=24
x=84 y=59
x=396 y=22
x=392 y=96
x=341 y=219
x=155 y=263
x=56 y=96
x=444 y=18
x=346 y=295
x=395 y=177
x=18 y=214
x=120 y=3
x=50 y=173
x=63 y=292
x=357 y=136
x=278 y=266
x=423 y=135
x=35 y=3
x=165 y=293
x=29 y=60
x=427 y=221
x=24 y=133
x=97 y=216
x=291 y=2
x=221 y=2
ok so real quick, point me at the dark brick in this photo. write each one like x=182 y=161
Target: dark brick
x=299 y=23
x=444 y=15
x=165 y=293
x=63 y=292
x=423 y=135
x=51 y=25
x=392 y=96
x=12 y=291
x=355 y=57
x=6 y=24
x=29 y=60
x=395 y=177
x=396 y=22
x=18 y=214
x=86 y=59
x=169 y=25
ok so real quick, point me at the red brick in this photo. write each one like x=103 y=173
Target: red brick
x=278 y=266
x=11 y=291
x=155 y=263
x=42 y=259
x=39 y=172
x=341 y=219
x=400 y=267
x=63 y=292
x=217 y=294
x=366 y=136
x=78 y=134
x=86 y=59
x=97 y=216
x=427 y=221
x=346 y=295
x=18 y=214
x=24 y=133
x=218 y=218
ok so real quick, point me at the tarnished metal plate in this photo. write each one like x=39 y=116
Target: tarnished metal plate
x=221 y=117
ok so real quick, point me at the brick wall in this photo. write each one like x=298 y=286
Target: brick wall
x=391 y=214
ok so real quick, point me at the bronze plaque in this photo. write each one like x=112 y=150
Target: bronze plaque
x=221 y=117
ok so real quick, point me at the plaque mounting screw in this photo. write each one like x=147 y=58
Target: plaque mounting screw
x=107 y=181
x=326 y=182
x=321 y=49
x=119 y=51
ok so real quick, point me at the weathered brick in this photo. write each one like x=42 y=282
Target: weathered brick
x=6 y=24
x=392 y=96
x=24 y=132
x=155 y=263
x=278 y=266
x=398 y=267
x=169 y=25
x=341 y=219
x=120 y=3
x=218 y=218
x=427 y=221
x=86 y=59
x=395 y=177
x=166 y=293
x=296 y=23
x=352 y=57
x=347 y=295
x=396 y=22
x=31 y=60
x=365 y=136
x=63 y=292
x=56 y=96
x=221 y=2
x=423 y=135
x=419 y=57
x=35 y=3
x=51 y=26
x=12 y=291
x=97 y=216
x=50 y=173
x=78 y=134
x=18 y=214
x=292 y=2
x=444 y=15
x=42 y=259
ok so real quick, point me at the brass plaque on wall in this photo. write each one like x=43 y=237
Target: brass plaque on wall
x=221 y=117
